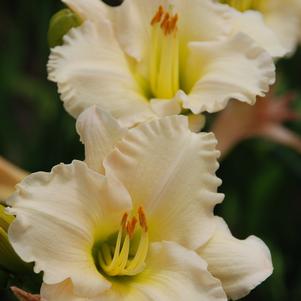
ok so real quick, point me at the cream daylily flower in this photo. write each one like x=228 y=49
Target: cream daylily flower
x=126 y=223
x=155 y=58
x=273 y=24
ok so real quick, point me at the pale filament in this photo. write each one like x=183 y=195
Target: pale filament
x=164 y=57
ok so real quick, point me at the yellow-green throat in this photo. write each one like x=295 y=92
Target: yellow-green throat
x=243 y=5
x=126 y=252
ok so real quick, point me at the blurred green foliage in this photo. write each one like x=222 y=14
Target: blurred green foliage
x=261 y=180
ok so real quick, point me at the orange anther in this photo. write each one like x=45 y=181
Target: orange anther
x=142 y=219
x=158 y=16
x=165 y=22
x=130 y=227
x=169 y=23
x=133 y=223
x=174 y=22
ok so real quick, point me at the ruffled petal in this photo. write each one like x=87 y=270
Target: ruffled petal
x=285 y=23
x=170 y=171
x=58 y=215
x=240 y=264
x=60 y=292
x=253 y=24
x=99 y=133
x=91 y=69
x=173 y=273
x=132 y=20
x=234 y=68
x=93 y=10
x=166 y=107
x=132 y=24
x=201 y=20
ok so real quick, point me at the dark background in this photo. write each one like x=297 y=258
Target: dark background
x=261 y=180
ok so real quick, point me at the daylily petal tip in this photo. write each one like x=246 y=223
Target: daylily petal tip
x=250 y=76
x=241 y=265
x=264 y=61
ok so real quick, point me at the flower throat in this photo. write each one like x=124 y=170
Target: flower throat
x=125 y=254
x=243 y=5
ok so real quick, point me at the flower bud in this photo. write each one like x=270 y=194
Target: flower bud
x=60 y=24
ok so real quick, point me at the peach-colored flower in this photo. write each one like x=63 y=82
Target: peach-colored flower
x=10 y=175
x=265 y=119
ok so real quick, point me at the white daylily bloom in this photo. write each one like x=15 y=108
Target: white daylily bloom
x=125 y=225
x=154 y=58
x=273 y=24
x=240 y=264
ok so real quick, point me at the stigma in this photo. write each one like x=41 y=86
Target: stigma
x=243 y=5
x=164 y=56
x=126 y=257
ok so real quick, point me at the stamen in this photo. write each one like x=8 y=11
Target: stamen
x=137 y=264
x=169 y=24
x=142 y=219
x=164 y=57
x=131 y=227
x=119 y=263
x=158 y=16
x=173 y=23
x=165 y=22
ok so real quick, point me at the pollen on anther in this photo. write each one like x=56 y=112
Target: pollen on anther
x=130 y=227
x=173 y=23
x=158 y=16
x=169 y=23
x=165 y=21
x=142 y=219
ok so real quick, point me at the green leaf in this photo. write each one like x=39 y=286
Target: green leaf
x=60 y=24
x=9 y=260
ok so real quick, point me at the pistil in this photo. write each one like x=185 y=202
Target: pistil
x=164 y=59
